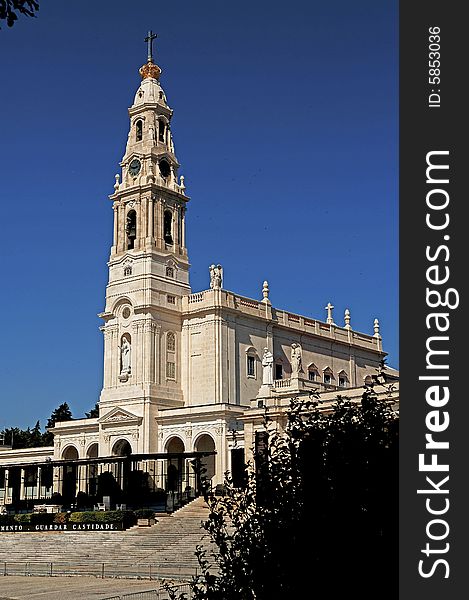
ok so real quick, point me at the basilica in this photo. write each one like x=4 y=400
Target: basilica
x=187 y=376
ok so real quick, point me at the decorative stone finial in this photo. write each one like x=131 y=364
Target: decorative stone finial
x=347 y=319
x=376 y=328
x=181 y=185
x=329 y=319
x=116 y=185
x=265 y=292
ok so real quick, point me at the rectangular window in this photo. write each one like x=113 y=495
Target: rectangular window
x=2 y=478
x=327 y=378
x=278 y=371
x=170 y=370
x=312 y=375
x=251 y=366
x=342 y=382
x=171 y=299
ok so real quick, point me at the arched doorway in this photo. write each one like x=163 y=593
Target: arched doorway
x=205 y=443
x=121 y=469
x=174 y=467
x=69 y=475
x=122 y=448
x=92 y=471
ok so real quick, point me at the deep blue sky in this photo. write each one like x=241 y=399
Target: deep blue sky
x=286 y=127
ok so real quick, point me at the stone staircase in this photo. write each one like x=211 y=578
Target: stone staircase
x=164 y=550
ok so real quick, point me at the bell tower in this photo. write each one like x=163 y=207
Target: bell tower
x=149 y=198
x=148 y=265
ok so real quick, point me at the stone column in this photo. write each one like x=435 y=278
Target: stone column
x=39 y=482
x=114 y=356
x=176 y=240
x=141 y=225
x=81 y=478
x=22 y=482
x=156 y=353
x=183 y=227
x=56 y=481
x=7 y=477
x=146 y=351
x=121 y=228
x=116 y=230
x=220 y=456
x=249 y=442
x=150 y=218
x=159 y=225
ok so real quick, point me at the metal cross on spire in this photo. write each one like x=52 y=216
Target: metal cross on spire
x=149 y=39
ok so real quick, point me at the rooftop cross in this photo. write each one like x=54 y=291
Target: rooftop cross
x=149 y=39
x=329 y=319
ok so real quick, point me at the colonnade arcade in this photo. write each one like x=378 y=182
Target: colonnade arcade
x=134 y=480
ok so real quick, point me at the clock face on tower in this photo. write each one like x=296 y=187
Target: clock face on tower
x=134 y=167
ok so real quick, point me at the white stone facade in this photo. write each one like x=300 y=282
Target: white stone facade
x=182 y=370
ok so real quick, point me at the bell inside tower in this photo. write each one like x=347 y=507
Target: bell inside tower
x=139 y=131
x=168 y=226
x=161 y=130
x=131 y=229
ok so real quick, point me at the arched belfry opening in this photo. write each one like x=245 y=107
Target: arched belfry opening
x=139 y=131
x=131 y=229
x=161 y=130
x=168 y=227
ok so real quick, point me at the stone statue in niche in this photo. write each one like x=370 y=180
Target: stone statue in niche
x=267 y=362
x=126 y=352
x=216 y=277
x=296 y=359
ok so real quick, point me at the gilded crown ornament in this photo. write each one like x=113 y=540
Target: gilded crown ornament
x=150 y=70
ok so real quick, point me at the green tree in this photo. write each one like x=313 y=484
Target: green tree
x=319 y=513
x=10 y=9
x=23 y=438
x=94 y=412
x=62 y=413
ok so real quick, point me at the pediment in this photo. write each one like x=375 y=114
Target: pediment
x=118 y=416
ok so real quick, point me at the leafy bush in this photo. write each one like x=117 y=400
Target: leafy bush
x=7 y=520
x=61 y=517
x=126 y=517
x=328 y=483
x=41 y=518
x=145 y=513
x=23 y=518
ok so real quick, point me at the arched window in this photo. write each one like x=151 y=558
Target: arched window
x=328 y=376
x=165 y=168
x=313 y=373
x=170 y=342
x=161 y=130
x=168 y=227
x=169 y=272
x=131 y=229
x=139 y=131
x=251 y=362
x=343 y=379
